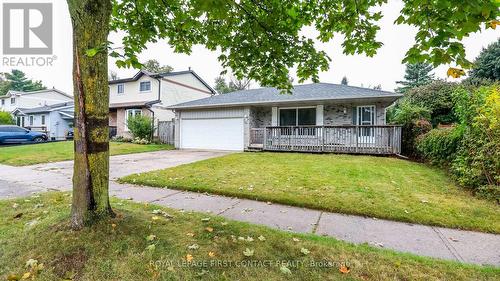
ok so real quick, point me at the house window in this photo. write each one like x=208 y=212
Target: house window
x=12 y=100
x=43 y=120
x=3 y=102
x=131 y=113
x=121 y=88
x=145 y=86
x=297 y=116
x=32 y=119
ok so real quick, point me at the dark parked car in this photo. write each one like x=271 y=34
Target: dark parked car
x=16 y=134
x=70 y=134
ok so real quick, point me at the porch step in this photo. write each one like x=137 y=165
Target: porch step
x=254 y=148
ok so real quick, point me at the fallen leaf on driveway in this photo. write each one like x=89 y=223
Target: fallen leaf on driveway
x=454 y=239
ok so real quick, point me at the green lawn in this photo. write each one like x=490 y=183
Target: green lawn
x=373 y=186
x=22 y=155
x=35 y=231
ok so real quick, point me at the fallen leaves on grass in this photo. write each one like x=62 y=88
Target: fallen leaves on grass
x=189 y=257
x=285 y=270
x=151 y=237
x=209 y=229
x=211 y=254
x=151 y=247
x=248 y=252
x=193 y=247
x=305 y=251
x=261 y=238
x=344 y=269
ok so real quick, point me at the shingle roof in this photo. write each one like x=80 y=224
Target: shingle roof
x=308 y=92
x=45 y=108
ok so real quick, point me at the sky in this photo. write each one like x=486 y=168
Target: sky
x=385 y=68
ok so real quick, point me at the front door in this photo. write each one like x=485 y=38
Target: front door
x=366 y=117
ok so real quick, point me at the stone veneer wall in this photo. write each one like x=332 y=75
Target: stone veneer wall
x=333 y=114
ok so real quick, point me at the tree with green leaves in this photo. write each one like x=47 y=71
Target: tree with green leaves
x=16 y=80
x=6 y=118
x=259 y=40
x=344 y=81
x=487 y=64
x=416 y=75
x=155 y=67
x=234 y=85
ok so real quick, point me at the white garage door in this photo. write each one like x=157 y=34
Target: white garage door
x=223 y=134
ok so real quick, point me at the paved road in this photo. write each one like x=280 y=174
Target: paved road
x=462 y=246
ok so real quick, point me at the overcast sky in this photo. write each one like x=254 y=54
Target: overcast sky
x=385 y=68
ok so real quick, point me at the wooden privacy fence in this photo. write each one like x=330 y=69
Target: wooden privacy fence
x=166 y=132
x=344 y=139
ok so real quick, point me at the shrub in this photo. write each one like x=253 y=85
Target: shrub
x=414 y=121
x=140 y=127
x=437 y=98
x=477 y=164
x=6 y=118
x=439 y=146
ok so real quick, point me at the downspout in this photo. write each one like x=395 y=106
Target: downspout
x=148 y=107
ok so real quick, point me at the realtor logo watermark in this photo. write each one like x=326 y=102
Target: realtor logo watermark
x=27 y=31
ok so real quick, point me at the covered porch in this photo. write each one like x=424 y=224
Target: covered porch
x=340 y=127
x=365 y=139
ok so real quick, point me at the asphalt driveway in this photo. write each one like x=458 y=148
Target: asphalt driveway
x=17 y=181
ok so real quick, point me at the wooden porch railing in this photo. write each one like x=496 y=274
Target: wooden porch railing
x=384 y=139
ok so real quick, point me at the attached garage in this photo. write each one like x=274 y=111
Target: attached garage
x=212 y=129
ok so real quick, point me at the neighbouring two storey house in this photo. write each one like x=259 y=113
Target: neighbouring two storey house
x=49 y=111
x=149 y=94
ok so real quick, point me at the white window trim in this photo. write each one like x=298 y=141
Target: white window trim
x=118 y=89
x=126 y=116
x=12 y=102
x=150 y=86
x=296 y=115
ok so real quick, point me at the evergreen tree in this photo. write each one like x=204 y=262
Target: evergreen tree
x=344 y=81
x=487 y=64
x=18 y=81
x=416 y=75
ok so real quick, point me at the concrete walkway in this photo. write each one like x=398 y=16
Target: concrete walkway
x=444 y=243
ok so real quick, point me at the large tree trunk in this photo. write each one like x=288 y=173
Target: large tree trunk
x=90 y=20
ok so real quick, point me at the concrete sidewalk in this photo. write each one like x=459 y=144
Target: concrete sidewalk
x=451 y=244
x=437 y=242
